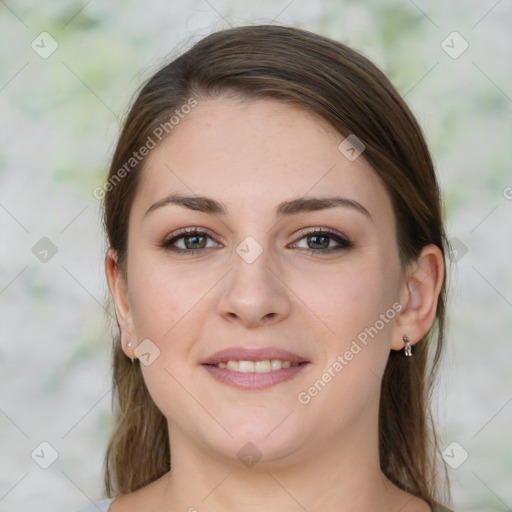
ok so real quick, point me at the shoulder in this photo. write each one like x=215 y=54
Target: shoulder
x=99 y=506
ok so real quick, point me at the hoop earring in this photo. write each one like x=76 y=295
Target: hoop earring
x=407 y=348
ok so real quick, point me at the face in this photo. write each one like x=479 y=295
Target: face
x=267 y=272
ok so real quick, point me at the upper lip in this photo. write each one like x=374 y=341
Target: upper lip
x=258 y=354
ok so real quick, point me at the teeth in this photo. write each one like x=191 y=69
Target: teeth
x=276 y=364
x=245 y=366
x=232 y=365
x=264 y=366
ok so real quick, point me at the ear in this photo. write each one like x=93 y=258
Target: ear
x=419 y=294
x=119 y=291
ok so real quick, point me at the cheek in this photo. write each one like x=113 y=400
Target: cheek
x=163 y=299
x=173 y=307
x=353 y=297
x=168 y=308
x=359 y=305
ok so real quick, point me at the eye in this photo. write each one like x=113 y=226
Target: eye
x=320 y=241
x=191 y=241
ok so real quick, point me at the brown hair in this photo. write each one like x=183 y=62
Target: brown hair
x=344 y=88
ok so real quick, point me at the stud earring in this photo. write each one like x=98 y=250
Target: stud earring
x=129 y=344
x=407 y=348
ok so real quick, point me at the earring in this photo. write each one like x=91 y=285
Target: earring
x=129 y=344
x=407 y=348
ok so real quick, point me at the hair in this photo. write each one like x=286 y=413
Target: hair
x=343 y=87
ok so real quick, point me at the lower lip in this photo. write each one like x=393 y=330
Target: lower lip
x=254 y=380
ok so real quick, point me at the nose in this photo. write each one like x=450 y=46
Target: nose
x=254 y=294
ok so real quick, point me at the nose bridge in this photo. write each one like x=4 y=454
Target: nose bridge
x=251 y=264
x=253 y=293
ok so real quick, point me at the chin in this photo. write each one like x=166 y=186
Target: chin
x=271 y=439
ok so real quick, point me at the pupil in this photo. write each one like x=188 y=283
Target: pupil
x=193 y=237
x=322 y=246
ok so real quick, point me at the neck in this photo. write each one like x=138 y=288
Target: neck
x=340 y=474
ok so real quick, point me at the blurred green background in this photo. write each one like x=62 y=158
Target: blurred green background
x=68 y=71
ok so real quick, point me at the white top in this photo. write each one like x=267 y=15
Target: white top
x=99 y=506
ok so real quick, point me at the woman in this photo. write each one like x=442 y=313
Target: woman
x=277 y=268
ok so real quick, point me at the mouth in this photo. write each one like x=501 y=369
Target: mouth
x=254 y=368
x=263 y=366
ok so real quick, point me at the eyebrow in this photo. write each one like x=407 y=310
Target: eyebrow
x=291 y=207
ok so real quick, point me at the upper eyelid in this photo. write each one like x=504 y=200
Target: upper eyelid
x=308 y=231
x=185 y=232
x=302 y=232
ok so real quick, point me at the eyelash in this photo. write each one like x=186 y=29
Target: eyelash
x=344 y=243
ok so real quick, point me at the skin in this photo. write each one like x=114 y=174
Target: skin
x=252 y=155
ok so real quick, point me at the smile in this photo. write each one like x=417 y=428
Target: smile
x=254 y=368
x=263 y=366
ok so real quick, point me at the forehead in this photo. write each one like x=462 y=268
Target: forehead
x=254 y=154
